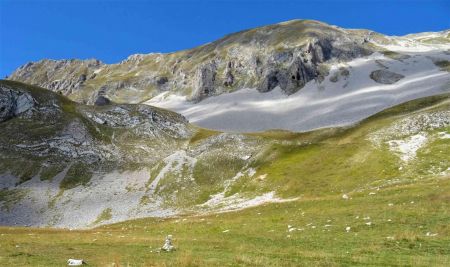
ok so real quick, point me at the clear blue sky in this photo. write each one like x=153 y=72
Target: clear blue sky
x=112 y=30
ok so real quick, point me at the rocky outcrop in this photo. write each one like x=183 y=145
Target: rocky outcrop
x=205 y=81
x=290 y=80
x=385 y=77
x=14 y=103
x=65 y=76
x=102 y=101
x=53 y=126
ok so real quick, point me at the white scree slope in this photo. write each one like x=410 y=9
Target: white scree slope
x=320 y=105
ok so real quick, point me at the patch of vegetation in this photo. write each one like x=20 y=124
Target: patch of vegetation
x=394 y=55
x=78 y=174
x=104 y=216
x=443 y=64
x=49 y=172
x=9 y=197
x=144 y=200
x=202 y=134
x=18 y=168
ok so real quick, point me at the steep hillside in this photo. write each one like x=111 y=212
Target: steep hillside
x=60 y=158
x=66 y=166
x=375 y=194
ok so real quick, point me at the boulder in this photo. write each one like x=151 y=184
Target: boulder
x=14 y=103
x=7 y=104
x=168 y=247
x=102 y=101
x=385 y=76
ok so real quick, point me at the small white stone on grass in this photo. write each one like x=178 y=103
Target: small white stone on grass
x=431 y=234
x=225 y=231
x=347 y=229
x=74 y=262
x=372 y=193
x=369 y=223
x=345 y=196
x=391 y=204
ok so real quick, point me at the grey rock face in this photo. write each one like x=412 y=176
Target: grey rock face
x=385 y=76
x=65 y=76
x=24 y=102
x=287 y=55
x=291 y=79
x=206 y=79
x=7 y=104
x=14 y=103
x=101 y=101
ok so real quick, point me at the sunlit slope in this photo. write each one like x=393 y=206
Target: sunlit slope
x=208 y=171
x=364 y=199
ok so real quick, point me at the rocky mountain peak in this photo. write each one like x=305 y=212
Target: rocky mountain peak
x=287 y=54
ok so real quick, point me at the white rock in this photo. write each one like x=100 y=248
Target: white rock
x=74 y=262
x=168 y=244
x=431 y=234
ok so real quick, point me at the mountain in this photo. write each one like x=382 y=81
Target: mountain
x=279 y=113
x=65 y=164
x=60 y=158
x=297 y=75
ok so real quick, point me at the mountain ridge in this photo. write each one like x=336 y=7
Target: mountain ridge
x=203 y=64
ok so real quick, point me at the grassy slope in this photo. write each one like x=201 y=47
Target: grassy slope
x=318 y=166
